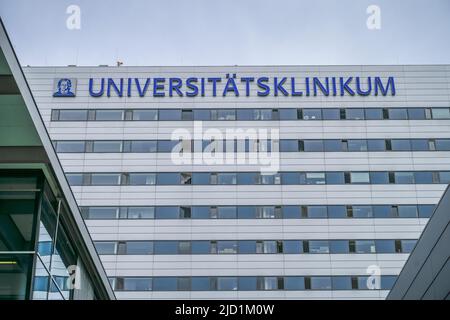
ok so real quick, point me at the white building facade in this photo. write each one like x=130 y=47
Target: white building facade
x=348 y=163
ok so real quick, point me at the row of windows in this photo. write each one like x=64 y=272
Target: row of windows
x=259 y=212
x=251 y=283
x=253 y=246
x=285 y=145
x=256 y=178
x=249 y=114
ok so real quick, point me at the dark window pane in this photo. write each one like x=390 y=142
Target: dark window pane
x=139 y=247
x=362 y=211
x=227 y=212
x=170 y=114
x=201 y=178
x=364 y=246
x=200 y=247
x=200 y=212
x=145 y=115
x=187 y=115
x=166 y=145
x=404 y=177
x=315 y=178
x=102 y=213
x=444 y=177
x=143 y=146
x=407 y=211
x=105 y=179
x=226 y=178
x=107 y=146
x=408 y=245
x=168 y=178
x=292 y=246
x=249 y=178
x=387 y=282
x=200 y=284
x=317 y=212
x=321 y=283
x=141 y=212
x=247 y=246
x=335 y=177
x=289 y=145
x=247 y=212
x=201 y=114
x=101 y=247
x=331 y=114
x=291 y=178
x=226 y=283
x=357 y=145
x=380 y=211
x=141 y=179
x=441 y=144
x=288 y=114
x=400 y=145
x=342 y=283
x=247 y=283
x=246 y=114
x=291 y=212
x=318 y=246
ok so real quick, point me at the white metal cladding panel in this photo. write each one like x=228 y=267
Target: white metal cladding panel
x=421 y=86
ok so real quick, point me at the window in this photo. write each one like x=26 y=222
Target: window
x=168 y=178
x=246 y=114
x=354 y=114
x=165 y=284
x=315 y=178
x=320 y=283
x=339 y=246
x=145 y=115
x=73 y=115
x=385 y=246
x=380 y=211
x=200 y=284
x=184 y=247
x=272 y=283
x=187 y=115
x=420 y=145
x=223 y=114
x=134 y=284
x=109 y=115
x=404 y=177
x=335 y=177
x=291 y=212
x=441 y=144
x=105 y=179
x=357 y=145
x=250 y=178
x=359 y=211
x=101 y=213
x=226 y=178
x=337 y=212
x=200 y=212
x=247 y=283
x=169 y=212
x=291 y=178
x=202 y=115
x=247 y=246
x=227 y=247
x=408 y=245
x=312 y=114
x=141 y=212
x=407 y=211
x=200 y=247
x=379 y=177
x=143 y=146
x=107 y=146
x=331 y=114
x=294 y=283
x=135 y=247
x=376 y=145
x=226 y=283
x=227 y=212
x=318 y=246
x=444 y=177
x=268 y=212
x=289 y=145
x=169 y=114
x=425 y=210
x=141 y=179
x=387 y=282
x=359 y=177
x=292 y=246
x=398 y=114
x=400 y=145
x=70 y=146
x=416 y=113
x=313 y=145
x=439 y=113
x=166 y=145
x=374 y=114
x=342 y=283
x=105 y=247
x=288 y=114
x=166 y=247
x=332 y=145
x=364 y=246
x=247 y=212
x=201 y=178
x=317 y=211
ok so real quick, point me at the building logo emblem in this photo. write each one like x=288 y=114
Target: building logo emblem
x=64 y=87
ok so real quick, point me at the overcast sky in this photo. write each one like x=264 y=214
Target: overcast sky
x=230 y=32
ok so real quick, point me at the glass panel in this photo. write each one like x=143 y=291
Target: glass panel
x=361 y=211
x=318 y=246
x=407 y=211
x=139 y=247
x=385 y=246
x=75 y=179
x=442 y=144
x=379 y=177
x=332 y=145
x=200 y=284
x=294 y=283
x=419 y=145
x=337 y=212
x=317 y=211
x=342 y=283
x=408 y=245
x=200 y=247
x=354 y=114
x=444 y=177
x=312 y=114
x=247 y=246
x=103 y=179
x=73 y=115
x=400 y=145
x=169 y=212
x=171 y=114
x=145 y=115
x=70 y=146
x=357 y=145
x=102 y=213
x=313 y=145
x=168 y=178
x=416 y=113
x=141 y=212
x=108 y=115
x=105 y=247
x=404 y=177
x=365 y=246
x=288 y=114
x=140 y=179
x=331 y=114
x=227 y=212
x=359 y=177
x=438 y=113
x=226 y=283
x=226 y=178
x=200 y=212
x=376 y=145
x=374 y=114
x=203 y=115
x=339 y=246
x=398 y=114
x=143 y=146
x=291 y=212
x=107 y=146
x=335 y=177
x=292 y=246
x=165 y=247
x=289 y=145
x=315 y=178
x=321 y=283
x=227 y=247
x=425 y=210
x=165 y=284
x=247 y=283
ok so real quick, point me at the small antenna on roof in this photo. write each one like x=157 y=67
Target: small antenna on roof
x=119 y=63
